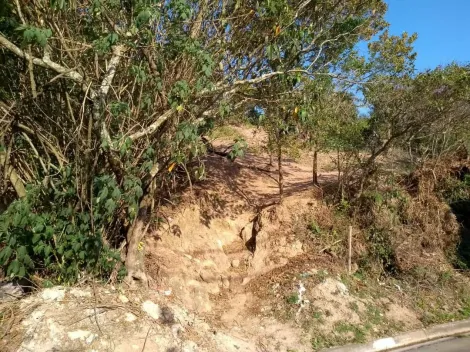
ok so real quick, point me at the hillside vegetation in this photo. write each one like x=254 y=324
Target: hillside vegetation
x=134 y=134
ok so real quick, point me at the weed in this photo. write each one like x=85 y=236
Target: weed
x=321 y=341
x=293 y=299
x=354 y=307
x=358 y=332
x=374 y=316
x=314 y=228
x=318 y=316
x=44 y=232
x=380 y=251
x=322 y=275
x=344 y=206
x=445 y=277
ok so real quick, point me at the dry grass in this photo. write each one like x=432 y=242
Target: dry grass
x=11 y=330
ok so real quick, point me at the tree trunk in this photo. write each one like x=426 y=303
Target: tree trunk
x=135 y=249
x=270 y=151
x=340 y=178
x=280 y=172
x=315 y=168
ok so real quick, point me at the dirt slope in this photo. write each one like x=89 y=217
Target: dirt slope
x=229 y=272
x=221 y=256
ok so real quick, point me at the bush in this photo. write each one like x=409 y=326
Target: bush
x=48 y=231
x=380 y=252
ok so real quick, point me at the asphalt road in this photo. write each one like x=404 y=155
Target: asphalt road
x=458 y=344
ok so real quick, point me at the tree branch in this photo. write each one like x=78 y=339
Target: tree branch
x=100 y=96
x=44 y=62
x=152 y=127
x=13 y=176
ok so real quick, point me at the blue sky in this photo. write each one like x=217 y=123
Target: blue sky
x=443 y=29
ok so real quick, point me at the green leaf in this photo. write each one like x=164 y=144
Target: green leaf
x=28 y=261
x=68 y=254
x=142 y=18
x=116 y=193
x=12 y=241
x=21 y=271
x=21 y=252
x=76 y=246
x=110 y=205
x=113 y=38
x=38 y=228
x=13 y=268
x=47 y=250
x=103 y=193
x=36 y=238
x=5 y=254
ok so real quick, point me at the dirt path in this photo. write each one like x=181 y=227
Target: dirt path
x=253 y=179
x=202 y=255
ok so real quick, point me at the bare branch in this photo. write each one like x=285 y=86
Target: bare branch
x=153 y=127
x=100 y=97
x=11 y=173
x=44 y=62
x=118 y=50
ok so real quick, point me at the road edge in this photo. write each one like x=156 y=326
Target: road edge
x=409 y=338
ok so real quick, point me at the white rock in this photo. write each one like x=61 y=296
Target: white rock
x=53 y=294
x=90 y=338
x=190 y=346
x=130 y=317
x=79 y=334
x=37 y=315
x=80 y=293
x=176 y=329
x=342 y=288
x=123 y=299
x=246 y=280
x=152 y=309
x=10 y=291
x=235 y=263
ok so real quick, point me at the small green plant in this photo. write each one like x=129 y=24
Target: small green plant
x=374 y=316
x=344 y=206
x=380 y=251
x=354 y=307
x=293 y=299
x=314 y=228
x=322 y=275
x=238 y=149
x=318 y=315
x=358 y=331
x=321 y=341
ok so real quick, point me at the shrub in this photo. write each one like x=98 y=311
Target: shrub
x=48 y=231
